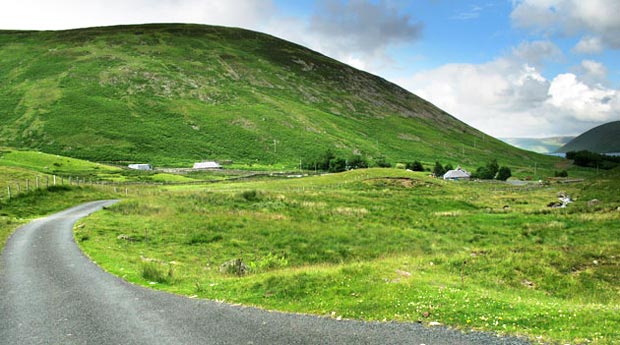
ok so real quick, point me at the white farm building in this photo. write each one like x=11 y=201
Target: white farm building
x=140 y=166
x=207 y=165
x=456 y=174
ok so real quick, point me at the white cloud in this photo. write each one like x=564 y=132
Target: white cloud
x=509 y=97
x=537 y=52
x=582 y=102
x=589 y=45
x=592 y=72
x=67 y=14
x=598 y=20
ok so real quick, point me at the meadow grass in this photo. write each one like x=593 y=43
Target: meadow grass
x=382 y=244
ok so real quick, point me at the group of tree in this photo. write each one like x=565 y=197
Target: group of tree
x=492 y=171
x=593 y=160
x=328 y=161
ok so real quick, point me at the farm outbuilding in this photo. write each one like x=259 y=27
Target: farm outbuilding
x=207 y=165
x=140 y=166
x=456 y=174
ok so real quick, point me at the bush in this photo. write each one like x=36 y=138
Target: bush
x=415 y=166
x=438 y=170
x=357 y=162
x=504 y=173
x=382 y=163
x=251 y=195
x=562 y=173
x=152 y=271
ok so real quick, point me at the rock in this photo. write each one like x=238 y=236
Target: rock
x=593 y=202
x=125 y=237
x=434 y=323
x=235 y=266
x=426 y=314
x=403 y=273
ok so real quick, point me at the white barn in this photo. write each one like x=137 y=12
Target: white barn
x=456 y=174
x=140 y=166
x=207 y=165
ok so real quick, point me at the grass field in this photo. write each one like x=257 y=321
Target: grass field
x=381 y=244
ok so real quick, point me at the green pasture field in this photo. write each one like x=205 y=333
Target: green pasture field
x=381 y=244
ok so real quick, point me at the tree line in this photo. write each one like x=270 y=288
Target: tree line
x=328 y=161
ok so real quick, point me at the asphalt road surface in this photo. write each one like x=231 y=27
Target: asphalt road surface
x=50 y=293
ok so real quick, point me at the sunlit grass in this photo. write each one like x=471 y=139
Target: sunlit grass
x=383 y=244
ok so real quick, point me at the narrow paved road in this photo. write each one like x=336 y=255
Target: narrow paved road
x=50 y=293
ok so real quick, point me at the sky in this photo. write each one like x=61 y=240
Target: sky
x=511 y=68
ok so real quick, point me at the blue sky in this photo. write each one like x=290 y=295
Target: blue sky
x=512 y=68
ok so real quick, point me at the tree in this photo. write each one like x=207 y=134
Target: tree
x=504 y=173
x=438 y=170
x=415 y=166
x=357 y=162
x=487 y=172
x=448 y=167
x=337 y=165
x=382 y=163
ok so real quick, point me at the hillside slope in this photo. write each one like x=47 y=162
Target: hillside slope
x=174 y=93
x=602 y=139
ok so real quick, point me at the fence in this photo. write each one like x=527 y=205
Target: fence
x=17 y=187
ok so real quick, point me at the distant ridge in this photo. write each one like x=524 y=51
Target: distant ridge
x=539 y=145
x=179 y=93
x=602 y=139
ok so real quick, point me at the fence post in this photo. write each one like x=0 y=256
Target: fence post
x=54 y=180
x=19 y=188
x=47 y=182
x=27 y=185
x=9 y=190
x=36 y=182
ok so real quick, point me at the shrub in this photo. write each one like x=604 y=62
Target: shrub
x=504 y=173
x=152 y=271
x=358 y=162
x=251 y=195
x=415 y=166
x=438 y=170
x=562 y=173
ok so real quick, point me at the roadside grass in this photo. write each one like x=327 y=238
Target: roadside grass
x=41 y=202
x=381 y=244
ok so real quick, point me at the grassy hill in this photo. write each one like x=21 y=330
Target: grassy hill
x=540 y=145
x=602 y=139
x=172 y=94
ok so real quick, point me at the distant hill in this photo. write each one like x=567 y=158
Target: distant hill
x=174 y=93
x=540 y=145
x=602 y=139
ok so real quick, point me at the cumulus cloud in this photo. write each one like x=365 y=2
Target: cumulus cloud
x=510 y=97
x=537 y=52
x=589 y=45
x=362 y=27
x=596 y=20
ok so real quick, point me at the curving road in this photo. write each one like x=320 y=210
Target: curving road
x=50 y=293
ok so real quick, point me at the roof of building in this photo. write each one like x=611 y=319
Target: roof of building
x=456 y=173
x=207 y=165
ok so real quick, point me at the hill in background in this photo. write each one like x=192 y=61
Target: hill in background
x=539 y=145
x=173 y=94
x=602 y=139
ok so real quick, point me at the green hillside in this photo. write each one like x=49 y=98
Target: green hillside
x=540 y=145
x=172 y=94
x=602 y=139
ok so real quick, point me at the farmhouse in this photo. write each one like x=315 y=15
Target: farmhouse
x=140 y=166
x=456 y=174
x=207 y=165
